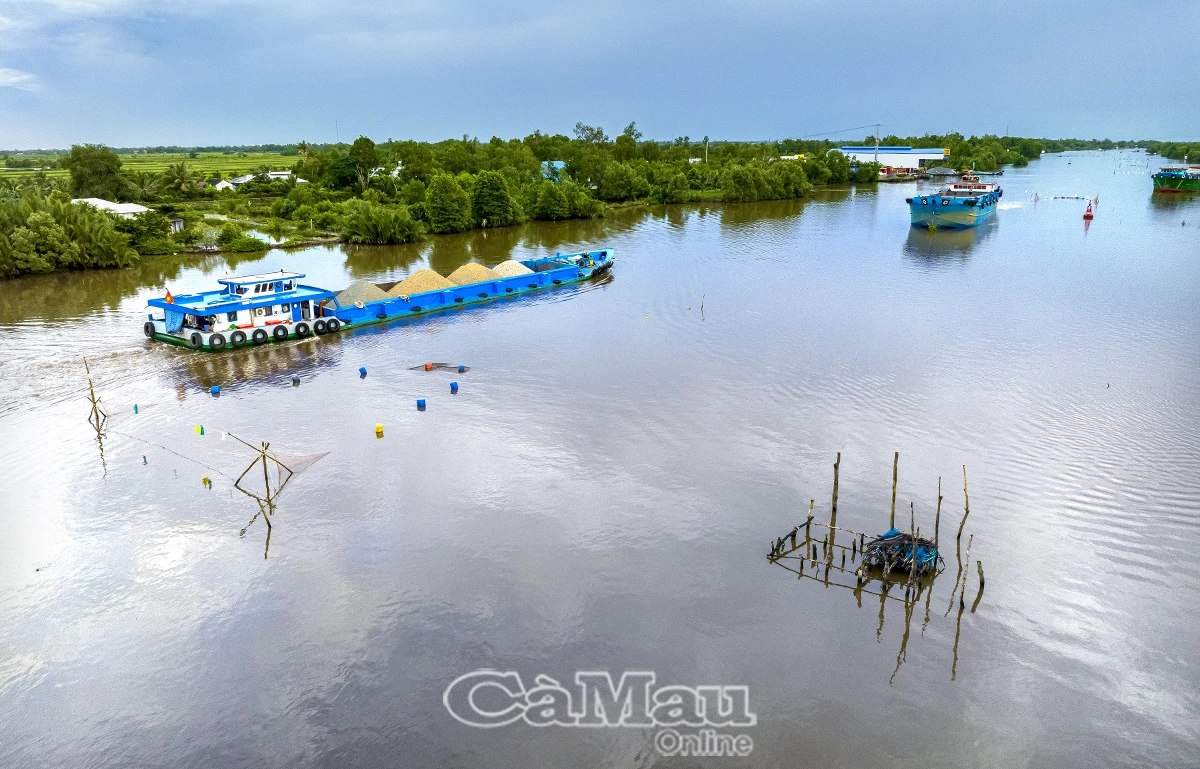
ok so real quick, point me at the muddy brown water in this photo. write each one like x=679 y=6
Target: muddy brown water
x=601 y=493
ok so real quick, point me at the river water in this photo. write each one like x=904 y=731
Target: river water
x=602 y=492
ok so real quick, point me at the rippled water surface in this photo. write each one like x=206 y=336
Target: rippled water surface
x=601 y=494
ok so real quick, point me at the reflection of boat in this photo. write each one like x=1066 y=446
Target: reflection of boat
x=256 y=309
x=1177 y=179
x=958 y=205
x=933 y=247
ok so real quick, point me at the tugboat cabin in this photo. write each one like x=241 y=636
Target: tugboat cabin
x=247 y=309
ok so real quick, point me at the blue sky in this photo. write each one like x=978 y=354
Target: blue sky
x=146 y=72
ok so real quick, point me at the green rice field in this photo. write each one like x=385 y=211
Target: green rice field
x=207 y=163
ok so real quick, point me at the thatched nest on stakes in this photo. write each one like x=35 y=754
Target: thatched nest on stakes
x=893 y=551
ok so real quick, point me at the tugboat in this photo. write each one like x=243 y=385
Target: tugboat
x=1177 y=179
x=956 y=206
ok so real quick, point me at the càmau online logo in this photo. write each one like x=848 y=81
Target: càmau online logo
x=491 y=698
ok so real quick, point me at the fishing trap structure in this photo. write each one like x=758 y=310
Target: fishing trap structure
x=878 y=565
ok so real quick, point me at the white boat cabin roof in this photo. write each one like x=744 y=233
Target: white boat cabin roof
x=266 y=277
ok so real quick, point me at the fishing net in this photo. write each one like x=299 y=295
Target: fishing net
x=297 y=463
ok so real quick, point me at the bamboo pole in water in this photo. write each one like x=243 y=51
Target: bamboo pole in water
x=895 y=477
x=912 y=550
x=937 y=522
x=966 y=504
x=833 y=513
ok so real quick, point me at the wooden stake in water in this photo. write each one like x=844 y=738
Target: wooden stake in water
x=833 y=514
x=937 y=522
x=895 y=477
x=966 y=504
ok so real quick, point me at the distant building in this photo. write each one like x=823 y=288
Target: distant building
x=897 y=159
x=220 y=184
x=791 y=157
x=273 y=176
x=695 y=160
x=123 y=210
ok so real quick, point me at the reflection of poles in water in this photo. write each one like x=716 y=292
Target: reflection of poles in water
x=266 y=503
x=902 y=654
x=96 y=416
x=960 y=582
x=957 y=633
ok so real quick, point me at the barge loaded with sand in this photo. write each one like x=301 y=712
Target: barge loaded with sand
x=275 y=307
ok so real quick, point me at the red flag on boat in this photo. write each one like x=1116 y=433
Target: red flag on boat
x=170 y=299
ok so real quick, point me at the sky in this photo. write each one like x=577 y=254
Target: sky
x=224 y=72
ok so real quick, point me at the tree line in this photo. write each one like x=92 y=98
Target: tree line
x=397 y=191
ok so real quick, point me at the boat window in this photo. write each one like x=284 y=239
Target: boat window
x=232 y=318
x=287 y=286
x=285 y=307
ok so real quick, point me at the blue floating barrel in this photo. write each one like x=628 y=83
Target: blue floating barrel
x=420 y=403
x=295 y=379
x=362 y=370
x=454 y=387
x=215 y=390
x=462 y=369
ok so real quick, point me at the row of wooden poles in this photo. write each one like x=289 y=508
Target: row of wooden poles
x=914 y=587
x=858 y=539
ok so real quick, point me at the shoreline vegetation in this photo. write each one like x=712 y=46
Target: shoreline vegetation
x=403 y=191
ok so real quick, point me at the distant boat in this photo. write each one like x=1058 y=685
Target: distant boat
x=1177 y=179
x=958 y=205
x=1088 y=213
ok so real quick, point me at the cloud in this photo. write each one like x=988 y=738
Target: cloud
x=15 y=78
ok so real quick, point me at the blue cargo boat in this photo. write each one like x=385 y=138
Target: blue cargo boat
x=275 y=306
x=958 y=205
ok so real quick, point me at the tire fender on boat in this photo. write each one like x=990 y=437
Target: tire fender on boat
x=259 y=336
x=196 y=340
x=333 y=325
x=216 y=341
x=149 y=329
x=237 y=338
x=280 y=333
x=301 y=329
x=319 y=326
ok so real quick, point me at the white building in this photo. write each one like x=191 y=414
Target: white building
x=123 y=210
x=897 y=159
x=237 y=181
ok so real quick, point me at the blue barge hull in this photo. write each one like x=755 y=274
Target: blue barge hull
x=548 y=272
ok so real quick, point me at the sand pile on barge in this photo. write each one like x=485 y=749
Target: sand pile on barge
x=360 y=291
x=471 y=272
x=511 y=269
x=419 y=282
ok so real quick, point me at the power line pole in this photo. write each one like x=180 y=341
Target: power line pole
x=877 y=142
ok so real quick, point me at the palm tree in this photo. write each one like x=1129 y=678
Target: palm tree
x=180 y=177
x=144 y=184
